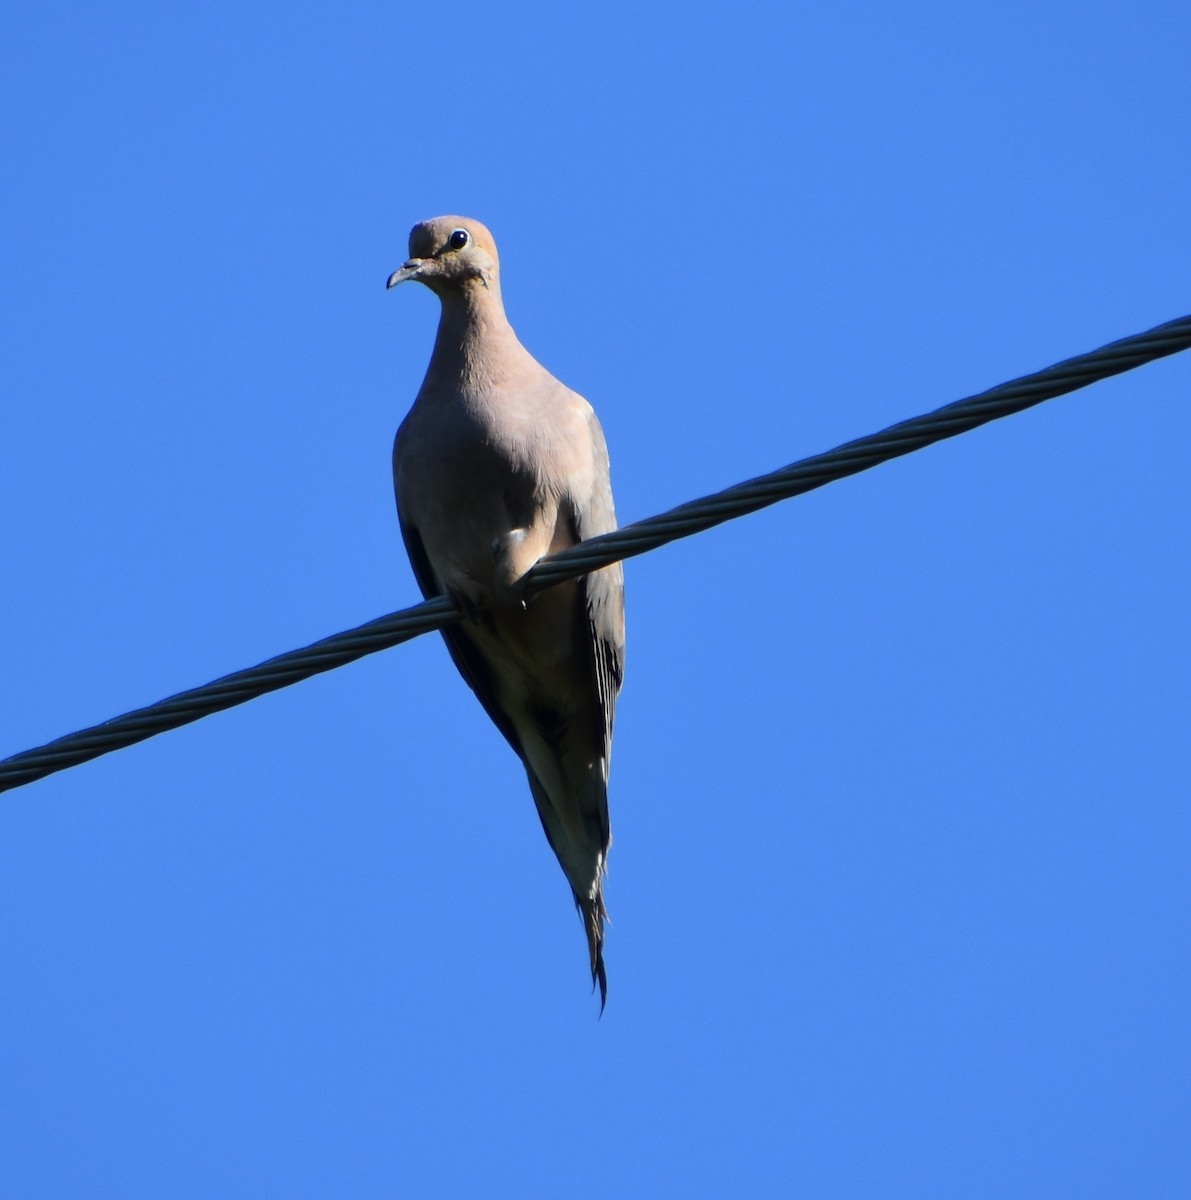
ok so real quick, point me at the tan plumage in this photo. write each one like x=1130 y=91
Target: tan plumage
x=497 y=464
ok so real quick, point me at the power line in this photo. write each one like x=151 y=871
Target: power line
x=639 y=538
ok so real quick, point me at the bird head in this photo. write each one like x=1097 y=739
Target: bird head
x=448 y=253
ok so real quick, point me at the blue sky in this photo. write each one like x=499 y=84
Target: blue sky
x=899 y=885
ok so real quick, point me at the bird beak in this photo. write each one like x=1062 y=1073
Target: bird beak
x=410 y=270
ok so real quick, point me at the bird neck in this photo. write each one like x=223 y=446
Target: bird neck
x=474 y=337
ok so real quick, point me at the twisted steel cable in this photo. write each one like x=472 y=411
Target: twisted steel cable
x=638 y=538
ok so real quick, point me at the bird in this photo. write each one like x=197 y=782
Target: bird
x=497 y=464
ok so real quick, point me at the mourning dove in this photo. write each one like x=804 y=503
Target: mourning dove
x=496 y=465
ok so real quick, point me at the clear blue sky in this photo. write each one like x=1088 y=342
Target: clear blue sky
x=899 y=888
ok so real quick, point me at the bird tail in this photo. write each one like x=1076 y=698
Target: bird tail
x=582 y=862
x=594 y=914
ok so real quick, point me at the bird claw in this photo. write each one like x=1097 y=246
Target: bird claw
x=511 y=569
x=517 y=596
x=465 y=604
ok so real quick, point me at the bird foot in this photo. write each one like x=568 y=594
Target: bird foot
x=467 y=606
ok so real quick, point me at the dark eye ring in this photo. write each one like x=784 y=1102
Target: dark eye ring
x=458 y=239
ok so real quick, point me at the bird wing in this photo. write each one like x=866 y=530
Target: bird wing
x=603 y=590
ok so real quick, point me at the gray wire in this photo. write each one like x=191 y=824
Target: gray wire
x=639 y=538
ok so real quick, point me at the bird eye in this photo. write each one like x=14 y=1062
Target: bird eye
x=458 y=239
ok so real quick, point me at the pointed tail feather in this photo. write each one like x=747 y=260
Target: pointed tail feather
x=584 y=868
x=594 y=915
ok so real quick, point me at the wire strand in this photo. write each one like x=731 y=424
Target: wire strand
x=627 y=542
